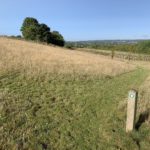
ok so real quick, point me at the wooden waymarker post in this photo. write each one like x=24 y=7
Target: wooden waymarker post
x=131 y=110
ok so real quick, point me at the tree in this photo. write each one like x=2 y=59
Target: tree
x=144 y=47
x=30 y=28
x=43 y=34
x=57 y=38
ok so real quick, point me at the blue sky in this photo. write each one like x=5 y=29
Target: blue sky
x=80 y=19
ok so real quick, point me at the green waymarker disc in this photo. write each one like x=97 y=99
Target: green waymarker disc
x=131 y=95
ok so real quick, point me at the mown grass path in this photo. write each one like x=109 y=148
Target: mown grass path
x=63 y=112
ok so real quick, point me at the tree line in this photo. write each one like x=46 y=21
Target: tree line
x=142 y=47
x=32 y=30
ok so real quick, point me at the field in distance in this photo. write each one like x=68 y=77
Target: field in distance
x=15 y=54
x=60 y=99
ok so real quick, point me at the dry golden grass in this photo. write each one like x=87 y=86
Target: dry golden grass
x=144 y=99
x=52 y=111
x=36 y=58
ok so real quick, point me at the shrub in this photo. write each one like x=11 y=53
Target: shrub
x=57 y=38
x=32 y=30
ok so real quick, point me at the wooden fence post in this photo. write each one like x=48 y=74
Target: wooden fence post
x=131 y=110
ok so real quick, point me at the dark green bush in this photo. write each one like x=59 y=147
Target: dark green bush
x=32 y=30
x=57 y=38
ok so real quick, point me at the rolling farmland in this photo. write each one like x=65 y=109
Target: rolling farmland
x=60 y=99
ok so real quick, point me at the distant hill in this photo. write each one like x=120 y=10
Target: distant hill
x=108 y=41
x=134 y=46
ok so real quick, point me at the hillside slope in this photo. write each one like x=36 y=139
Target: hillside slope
x=35 y=57
x=53 y=98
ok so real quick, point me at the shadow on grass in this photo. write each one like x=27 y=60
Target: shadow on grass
x=142 y=118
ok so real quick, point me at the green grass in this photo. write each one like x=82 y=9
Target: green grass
x=68 y=112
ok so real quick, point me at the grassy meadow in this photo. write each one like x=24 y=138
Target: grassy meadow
x=53 y=98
